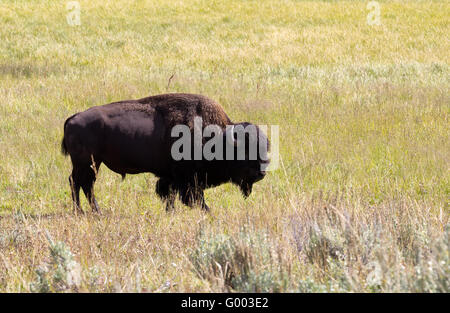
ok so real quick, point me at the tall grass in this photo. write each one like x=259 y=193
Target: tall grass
x=359 y=203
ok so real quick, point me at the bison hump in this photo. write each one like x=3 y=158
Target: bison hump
x=183 y=108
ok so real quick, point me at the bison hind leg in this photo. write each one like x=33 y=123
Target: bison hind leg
x=84 y=176
x=163 y=186
x=75 y=188
x=166 y=191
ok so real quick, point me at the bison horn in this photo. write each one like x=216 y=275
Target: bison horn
x=230 y=135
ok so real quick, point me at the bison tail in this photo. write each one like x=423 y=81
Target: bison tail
x=64 y=148
x=63 y=142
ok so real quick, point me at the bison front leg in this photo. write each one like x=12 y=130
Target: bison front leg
x=193 y=196
x=170 y=202
x=205 y=206
x=166 y=191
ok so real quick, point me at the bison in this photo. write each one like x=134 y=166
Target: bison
x=135 y=136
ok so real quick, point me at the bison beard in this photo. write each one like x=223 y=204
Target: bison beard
x=134 y=136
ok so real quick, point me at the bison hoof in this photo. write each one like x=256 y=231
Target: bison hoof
x=78 y=212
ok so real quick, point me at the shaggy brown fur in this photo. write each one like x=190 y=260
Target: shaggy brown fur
x=181 y=108
x=134 y=136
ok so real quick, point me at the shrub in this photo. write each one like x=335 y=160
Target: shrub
x=61 y=273
x=244 y=263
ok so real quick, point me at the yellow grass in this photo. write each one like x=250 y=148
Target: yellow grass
x=360 y=201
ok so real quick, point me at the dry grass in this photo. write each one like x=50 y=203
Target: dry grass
x=361 y=199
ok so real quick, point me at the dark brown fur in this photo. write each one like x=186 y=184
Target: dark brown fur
x=112 y=134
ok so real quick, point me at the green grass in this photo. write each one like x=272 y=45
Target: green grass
x=363 y=183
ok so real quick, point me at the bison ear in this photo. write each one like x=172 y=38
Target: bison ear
x=246 y=189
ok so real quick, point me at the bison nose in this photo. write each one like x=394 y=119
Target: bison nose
x=263 y=168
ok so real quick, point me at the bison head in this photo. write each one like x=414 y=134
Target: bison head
x=250 y=148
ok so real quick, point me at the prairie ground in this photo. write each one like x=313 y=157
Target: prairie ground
x=359 y=203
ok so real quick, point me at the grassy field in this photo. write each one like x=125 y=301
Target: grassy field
x=360 y=201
